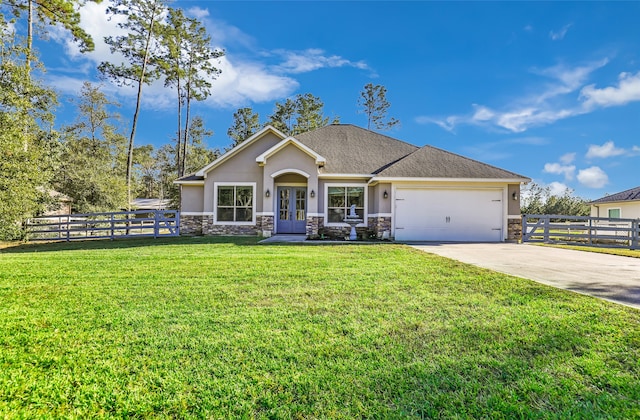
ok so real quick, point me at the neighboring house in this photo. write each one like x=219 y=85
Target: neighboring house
x=61 y=204
x=277 y=184
x=622 y=205
x=150 y=204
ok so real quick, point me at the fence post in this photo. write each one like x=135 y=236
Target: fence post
x=112 y=229
x=545 y=235
x=156 y=227
x=635 y=232
x=68 y=227
x=590 y=231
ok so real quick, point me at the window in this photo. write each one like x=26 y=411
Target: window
x=614 y=213
x=235 y=203
x=339 y=202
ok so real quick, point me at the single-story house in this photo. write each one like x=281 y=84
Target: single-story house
x=277 y=184
x=622 y=205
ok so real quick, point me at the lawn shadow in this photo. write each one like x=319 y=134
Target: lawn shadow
x=125 y=243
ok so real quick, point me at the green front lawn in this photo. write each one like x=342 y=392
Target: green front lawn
x=197 y=327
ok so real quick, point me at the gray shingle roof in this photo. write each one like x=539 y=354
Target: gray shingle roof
x=191 y=177
x=431 y=162
x=629 y=195
x=353 y=150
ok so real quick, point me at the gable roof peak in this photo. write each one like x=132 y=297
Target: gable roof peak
x=255 y=137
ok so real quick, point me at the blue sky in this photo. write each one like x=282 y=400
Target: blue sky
x=550 y=90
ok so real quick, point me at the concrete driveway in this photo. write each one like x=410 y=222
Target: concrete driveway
x=605 y=276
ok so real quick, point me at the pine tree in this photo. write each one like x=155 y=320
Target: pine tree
x=299 y=115
x=139 y=49
x=187 y=65
x=245 y=124
x=373 y=103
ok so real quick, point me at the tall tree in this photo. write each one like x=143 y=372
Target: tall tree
x=51 y=13
x=188 y=66
x=148 y=172
x=310 y=115
x=295 y=116
x=93 y=156
x=140 y=50
x=245 y=124
x=197 y=153
x=373 y=103
x=28 y=144
x=283 y=116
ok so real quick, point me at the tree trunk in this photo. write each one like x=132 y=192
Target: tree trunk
x=186 y=120
x=136 y=113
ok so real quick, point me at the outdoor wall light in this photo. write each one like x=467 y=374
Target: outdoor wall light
x=313 y=194
x=514 y=196
x=267 y=193
x=385 y=194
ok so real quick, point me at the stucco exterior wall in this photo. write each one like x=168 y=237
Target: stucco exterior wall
x=628 y=210
x=290 y=158
x=191 y=199
x=514 y=205
x=377 y=203
x=242 y=167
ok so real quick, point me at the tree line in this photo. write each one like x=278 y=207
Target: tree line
x=95 y=160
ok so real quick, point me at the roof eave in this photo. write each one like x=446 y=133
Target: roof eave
x=440 y=179
x=178 y=182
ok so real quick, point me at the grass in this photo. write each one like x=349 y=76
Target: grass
x=201 y=327
x=634 y=253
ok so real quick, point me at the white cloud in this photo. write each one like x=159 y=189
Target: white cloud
x=243 y=80
x=608 y=149
x=313 y=59
x=593 y=177
x=557 y=188
x=482 y=113
x=559 y=35
x=198 y=12
x=544 y=107
x=248 y=82
x=567 y=158
x=627 y=90
x=558 y=169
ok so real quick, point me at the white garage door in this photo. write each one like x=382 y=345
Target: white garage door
x=466 y=215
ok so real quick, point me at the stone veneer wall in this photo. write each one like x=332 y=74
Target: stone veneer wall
x=378 y=225
x=315 y=225
x=203 y=225
x=190 y=225
x=514 y=230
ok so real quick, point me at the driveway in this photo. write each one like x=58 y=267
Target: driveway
x=605 y=276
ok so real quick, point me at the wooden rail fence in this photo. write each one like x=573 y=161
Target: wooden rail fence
x=125 y=224
x=581 y=230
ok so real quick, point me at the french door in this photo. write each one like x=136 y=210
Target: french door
x=292 y=210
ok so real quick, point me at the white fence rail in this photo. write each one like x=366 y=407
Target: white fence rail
x=126 y=224
x=581 y=230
